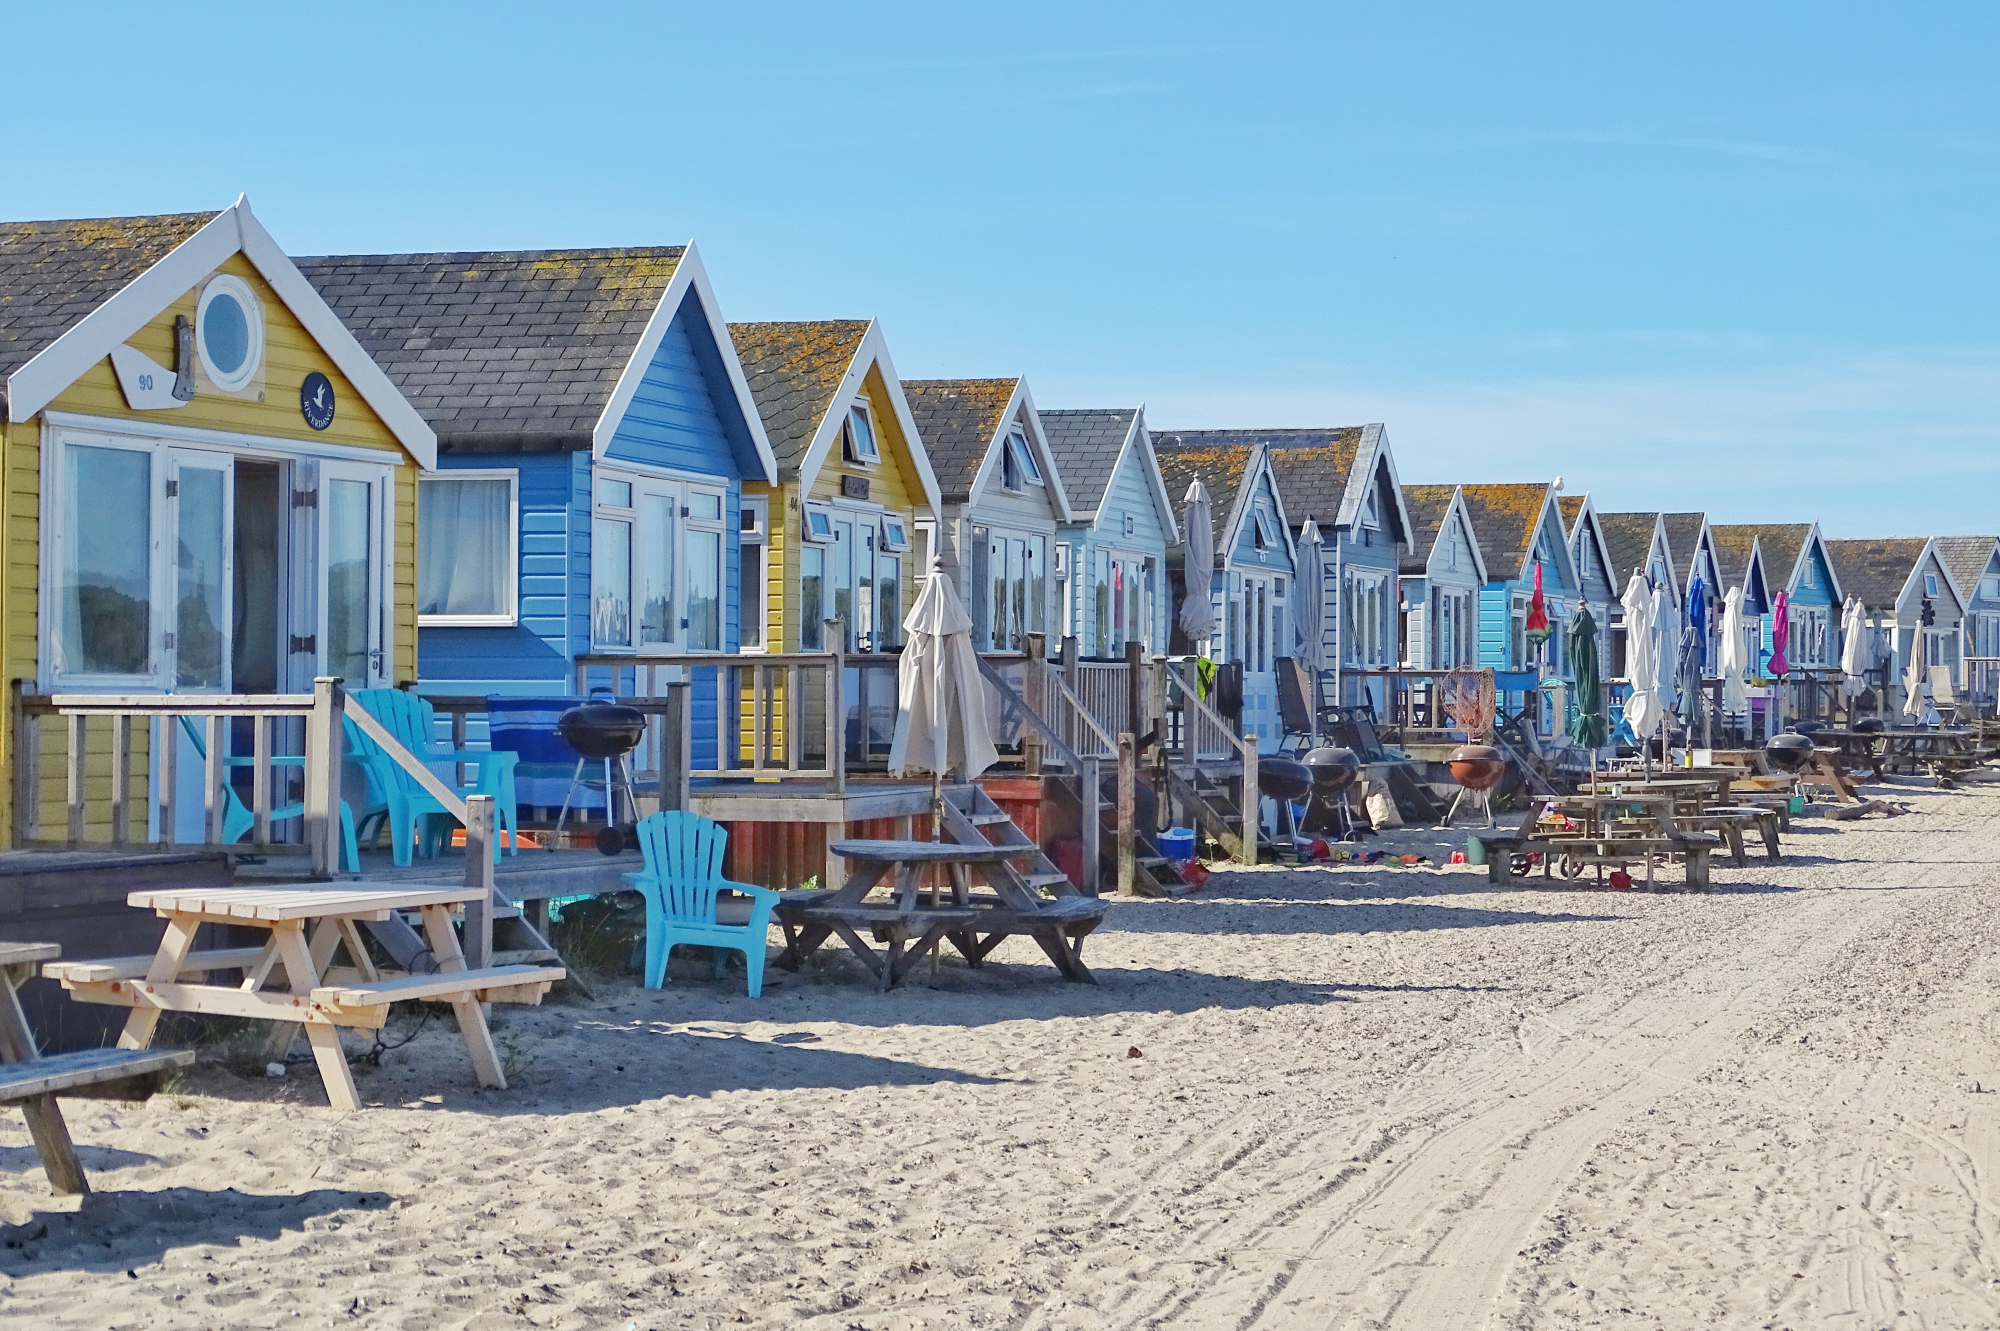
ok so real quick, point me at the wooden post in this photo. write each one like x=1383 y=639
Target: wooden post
x=1156 y=710
x=1135 y=688
x=836 y=708
x=260 y=779
x=1253 y=815
x=78 y=750
x=214 y=805
x=170 y=758
x=25 y=745
x=1128 y=812
x=121 y=778
x=1035 y=685
x=324 y=742
x=1087 y=830
x=677 y=743
x=479 y=874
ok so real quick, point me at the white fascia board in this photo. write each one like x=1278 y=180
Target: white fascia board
x=1936 y=561
x=1550 y=513
x=1603 y=550
x=873 y=351
x=61 y=363
x=1023 y=405
x=1665 y=549
x=1458 y=507
x=1260 y=472
x=1140 y=439
x=1818 y=542
x=1388 y=456
x=690 y=274
x=311 y=310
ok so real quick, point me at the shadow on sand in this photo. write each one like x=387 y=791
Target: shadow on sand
x=116 y=1231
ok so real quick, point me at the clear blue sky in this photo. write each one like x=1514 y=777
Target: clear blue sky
x=1729 y=257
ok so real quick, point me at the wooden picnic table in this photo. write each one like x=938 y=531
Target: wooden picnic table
x=308 y=924
x=914 y=922
x=33 y=1081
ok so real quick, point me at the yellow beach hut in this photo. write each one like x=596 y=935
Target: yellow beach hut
x=209 y=488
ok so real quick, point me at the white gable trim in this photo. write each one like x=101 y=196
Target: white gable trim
x=874 y=350
x=1256 y=473
x=689 y=274
x=1527 y=571
x=139 y=302
x=1137 y=450
x=1456 y=511
x=1588 y=514
x=1020 y=405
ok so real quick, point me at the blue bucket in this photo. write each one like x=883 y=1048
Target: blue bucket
x=1177 y=844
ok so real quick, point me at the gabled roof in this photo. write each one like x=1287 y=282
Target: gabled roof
x=795 y=370
x=1735 y=550
x=1783 y=544
x=1571 y=508
x=1092 y=444
x=1966 y=557
x=529 y=348
x=1580 y=518
x=1628 y=543
x=71 y=291
x=1878 y=570
x=1430 y=508
x=1683 y=533
x=1228 y=472
x=52 y=274
x=1087 y=445
x=1503 y=521
x=963 y=422
x=805 y=375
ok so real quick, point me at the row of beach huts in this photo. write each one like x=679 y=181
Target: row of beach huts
x=230 y=470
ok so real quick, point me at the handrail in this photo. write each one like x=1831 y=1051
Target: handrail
x=1015 y=704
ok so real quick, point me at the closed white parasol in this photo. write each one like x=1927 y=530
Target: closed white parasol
x=1197 y=617
x=1642 y=660
x=942 y=712
x=1735 y=690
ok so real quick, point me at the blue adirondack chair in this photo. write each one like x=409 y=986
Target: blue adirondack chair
x=413 y=814
x=682 y=884
x=237 y=820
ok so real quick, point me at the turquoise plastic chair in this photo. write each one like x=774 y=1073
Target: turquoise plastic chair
x=413 y=814
x=682 y=884
x=237 y=820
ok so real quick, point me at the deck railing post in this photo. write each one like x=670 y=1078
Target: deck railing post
x=79 y=749
x=1128 y=812
x=214 y=806
x=479 y=875
x=836 y=707
x=23 y=741
x=121 y=778
x=323 y=771
x=676 y=735
x=1036 y=690
x=1135 y=688
x=1156 y=708
x=1088 y=788
x=1253 y=814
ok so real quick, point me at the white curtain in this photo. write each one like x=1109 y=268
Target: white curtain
x=461 y=565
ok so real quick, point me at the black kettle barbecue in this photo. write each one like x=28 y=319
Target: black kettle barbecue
x=602 y=730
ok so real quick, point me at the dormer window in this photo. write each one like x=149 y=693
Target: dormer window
x=1266 y=528
x=1930 y=584
x=1017 y=464
x=858 y=438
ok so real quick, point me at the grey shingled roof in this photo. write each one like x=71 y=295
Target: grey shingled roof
x=1086 y=445
x=1503 y=522
x=515 y=346
x=1628 y=539
x=794 y=369
x=957 y=419
x=1683 y=531
x=1966 y=557
x=1428 y=505
x=1876 y=570
x=52 y=274
x=1187 y=456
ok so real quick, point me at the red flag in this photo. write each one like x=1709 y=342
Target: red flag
x=1538 y=611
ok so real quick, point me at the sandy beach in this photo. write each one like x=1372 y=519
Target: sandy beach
x=1302 y=1099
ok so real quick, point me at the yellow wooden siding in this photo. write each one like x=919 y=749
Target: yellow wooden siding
x=53 y=788
x=894 y=485
x=290 y=353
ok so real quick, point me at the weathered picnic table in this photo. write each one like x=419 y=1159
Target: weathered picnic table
x=915 y=921
x=33 y=1081
x=308 y=925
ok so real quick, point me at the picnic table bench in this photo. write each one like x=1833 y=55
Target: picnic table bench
x=33 y=1080
x=915 y=922
x=308 y=924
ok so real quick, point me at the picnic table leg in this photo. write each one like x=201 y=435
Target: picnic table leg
x=472 y=1026
x=1768 y=825
x=1697 y=868
x=45 y=1120
x=858 y=948
x=175 y=944
x=326 y=937
x=1734 y=834
x=328 y=1052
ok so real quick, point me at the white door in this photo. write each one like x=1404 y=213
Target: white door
x=201 y=569
x=353 y=630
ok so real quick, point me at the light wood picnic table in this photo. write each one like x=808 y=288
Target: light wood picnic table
x=308 y=924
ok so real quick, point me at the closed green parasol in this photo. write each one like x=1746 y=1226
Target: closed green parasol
x=1588 y=730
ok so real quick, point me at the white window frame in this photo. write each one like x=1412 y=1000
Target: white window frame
x=1266 y=526
x=1371 y=517
x=1930 y=585
x=758 y=532
x=679 y=488
x=850 y=450
x=899 y=543
x=806 y=532
x=512 y=595
x=1030 y=472
x=228 y=284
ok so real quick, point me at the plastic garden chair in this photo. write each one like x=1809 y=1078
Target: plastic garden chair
x=682 y=884
x=394 y=794
x=237 y=820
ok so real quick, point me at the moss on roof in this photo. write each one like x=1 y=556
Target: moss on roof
x=1220 y=469
x=1503 y=522
x=1427 y=505
x=957 y=420
x=1876 y=570
x=1570 y=506
x=794 y=370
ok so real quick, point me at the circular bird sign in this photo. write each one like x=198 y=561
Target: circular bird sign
x=316 y=400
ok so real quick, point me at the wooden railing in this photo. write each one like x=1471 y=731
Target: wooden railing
x=1413 y=702
x=1204 y=732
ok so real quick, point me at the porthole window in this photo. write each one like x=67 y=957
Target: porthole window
x=229 y=333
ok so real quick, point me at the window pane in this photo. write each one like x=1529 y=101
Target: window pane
x=705 y=505
x=1017 y=577
x=864 y=588
x=1100 y=628
x=657 y=621
x=614 y=494
x=864 y=433
x=812 y=600
x=982 y=592
x=610 y=582
x=704 y=592
x=348 y=542
x=1038 y=585
x=202 y=527
x=463 y=527
x=889 y=603
x=106 y=625
x=843 y=582
x=750 y=605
